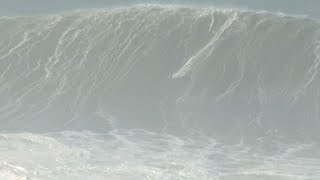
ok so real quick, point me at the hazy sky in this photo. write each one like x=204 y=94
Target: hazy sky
x=14 y=7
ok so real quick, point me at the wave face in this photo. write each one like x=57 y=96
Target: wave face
x=161 y=68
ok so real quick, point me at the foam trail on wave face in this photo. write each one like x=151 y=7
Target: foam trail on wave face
x=207 y=50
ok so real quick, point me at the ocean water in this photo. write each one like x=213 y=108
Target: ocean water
x=160 y=91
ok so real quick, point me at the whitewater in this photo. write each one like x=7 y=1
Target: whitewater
x=160 y=92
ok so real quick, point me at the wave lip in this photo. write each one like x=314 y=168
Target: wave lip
x=309 y=9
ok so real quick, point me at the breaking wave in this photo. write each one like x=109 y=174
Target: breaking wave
x=165 y=67
x=172 y=71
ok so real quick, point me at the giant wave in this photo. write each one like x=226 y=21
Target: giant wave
x=167 y=67
x=160 y=71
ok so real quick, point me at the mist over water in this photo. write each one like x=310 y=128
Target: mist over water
x=177 y=90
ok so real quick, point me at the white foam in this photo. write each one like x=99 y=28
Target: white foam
x=140 y=154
